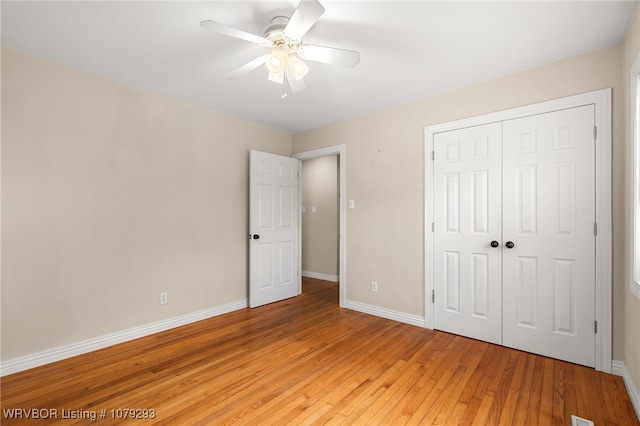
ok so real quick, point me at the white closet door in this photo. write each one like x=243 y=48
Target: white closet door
x=549 y=215
x=467 y=212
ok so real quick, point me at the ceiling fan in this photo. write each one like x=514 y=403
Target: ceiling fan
x=285 y=50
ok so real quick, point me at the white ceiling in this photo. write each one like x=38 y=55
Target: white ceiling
x=409 y=50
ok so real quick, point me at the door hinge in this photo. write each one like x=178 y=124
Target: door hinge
x=595 y=327
x=433 y=296
x=595 y=132
x=433 y=226
x=595 y=228
x=433 y=155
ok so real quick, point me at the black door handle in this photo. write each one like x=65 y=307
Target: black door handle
x=494 y=244
x=256 y=236
x=510 y=244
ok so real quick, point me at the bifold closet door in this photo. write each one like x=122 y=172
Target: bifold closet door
x=467 y=213
x=514 y=243
x=548 y=216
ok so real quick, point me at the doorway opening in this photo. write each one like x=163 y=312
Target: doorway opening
x=322 y=216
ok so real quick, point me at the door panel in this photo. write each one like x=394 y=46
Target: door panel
x=467 y=210
x=273 y=200
x=549 y=212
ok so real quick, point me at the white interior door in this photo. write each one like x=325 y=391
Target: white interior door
x=273 y=227
x=549 y=216
x=467 y=218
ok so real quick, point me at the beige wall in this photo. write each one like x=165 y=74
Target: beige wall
x=320 y=229
x=111 y=195
x=629 y=351
x=385 y=175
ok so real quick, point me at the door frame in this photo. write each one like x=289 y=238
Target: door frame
x=340 y=151
x=601 y=99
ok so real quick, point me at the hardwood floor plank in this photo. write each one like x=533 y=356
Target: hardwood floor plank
x=471 y=411
x=498 y=384
x=392 y=396
x=440 y=411
x=525 y=390
x=513 y=392
x=569 y=394
x=546 y=401
x=442 y=377
x=486 y=369
x=306 y=361
x=558 y=398
x=482 y=415
x=359 y=407
x=457 y=414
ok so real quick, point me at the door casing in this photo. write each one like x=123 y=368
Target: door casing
x=601 y=99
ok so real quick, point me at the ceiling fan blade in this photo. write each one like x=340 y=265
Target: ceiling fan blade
x=295 y=85
x=246 y=68
x=329 y=55
x=233 y=32
x=306 y=14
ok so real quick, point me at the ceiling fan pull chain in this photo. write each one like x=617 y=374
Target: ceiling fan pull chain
x=284 y=86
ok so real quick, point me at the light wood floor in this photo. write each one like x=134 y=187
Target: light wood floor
x=306 y=361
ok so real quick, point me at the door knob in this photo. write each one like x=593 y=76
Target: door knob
x=494 y=244
x=256 y=236
x=510 y=244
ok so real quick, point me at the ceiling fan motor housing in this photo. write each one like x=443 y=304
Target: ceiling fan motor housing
x=274 y=32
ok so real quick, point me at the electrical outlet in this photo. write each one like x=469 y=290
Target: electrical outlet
x=374 y=286
x=163 y=298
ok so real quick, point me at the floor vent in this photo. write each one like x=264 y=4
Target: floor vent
x=579 y=421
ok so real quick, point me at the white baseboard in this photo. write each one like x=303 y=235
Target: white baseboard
x=56 y=354
x=320 y=276
x=385 y=313
x=619 y=369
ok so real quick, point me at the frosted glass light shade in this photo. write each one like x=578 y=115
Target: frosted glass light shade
x=276 y=61
x=297 y=67
x=276 y=77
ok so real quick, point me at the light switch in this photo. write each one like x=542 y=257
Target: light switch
x=304 y=209
x=352 y=204
x=314 y=209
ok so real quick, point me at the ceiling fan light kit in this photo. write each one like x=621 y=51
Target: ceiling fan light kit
x=283 y=39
